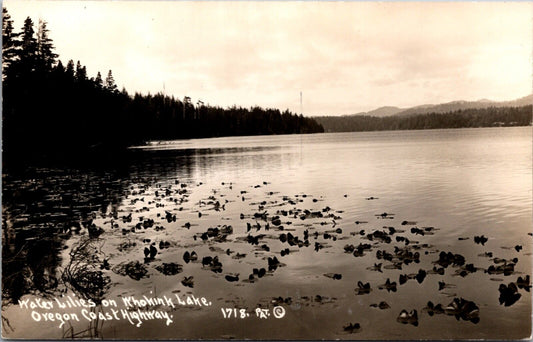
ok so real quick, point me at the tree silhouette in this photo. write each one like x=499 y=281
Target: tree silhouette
x=81 y=73
x=45 y=55
x=53 y=112
x=9 y=42
x=70 y=69
x=110 y=82
x=98 y=80
x=484 y=117
x=28 y=54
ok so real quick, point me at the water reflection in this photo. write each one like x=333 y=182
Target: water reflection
x=52 y=245
x=44 y=207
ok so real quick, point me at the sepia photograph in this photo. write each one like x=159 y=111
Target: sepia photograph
x=254 y=170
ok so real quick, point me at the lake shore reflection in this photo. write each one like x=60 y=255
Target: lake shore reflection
x=356 y=236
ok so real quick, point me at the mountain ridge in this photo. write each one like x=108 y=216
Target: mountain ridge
x=445 y=107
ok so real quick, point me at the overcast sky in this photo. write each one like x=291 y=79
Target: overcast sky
x=345 y=57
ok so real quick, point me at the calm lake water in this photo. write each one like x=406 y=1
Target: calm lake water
x=439 y=189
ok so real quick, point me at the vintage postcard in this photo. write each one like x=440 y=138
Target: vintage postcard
x=185 y=170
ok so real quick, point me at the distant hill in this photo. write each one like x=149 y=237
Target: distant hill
x=491 y=116
x=446 y=107
x=463 y=105
x=383 y=111
x=523 y=101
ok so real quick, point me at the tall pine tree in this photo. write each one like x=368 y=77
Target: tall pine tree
x=98 y=80
x=70 y=69
x=81 y=73
x=10 y=43
x=110 y=82
x=28 y=55
x=46 y=58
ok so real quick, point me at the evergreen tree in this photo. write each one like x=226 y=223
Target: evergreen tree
x=59 y=67
x=9 y=42
x=70 y=69
x=28 y=55
x=98 y=80
x=81 y=73
x=46 y=56
x=110 y=82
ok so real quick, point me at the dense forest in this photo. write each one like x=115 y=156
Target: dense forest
x=56 y=110
x=53 y=110
x=485 y=117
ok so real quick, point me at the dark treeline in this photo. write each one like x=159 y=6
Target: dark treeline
x=486 y=117
x=56 y=110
